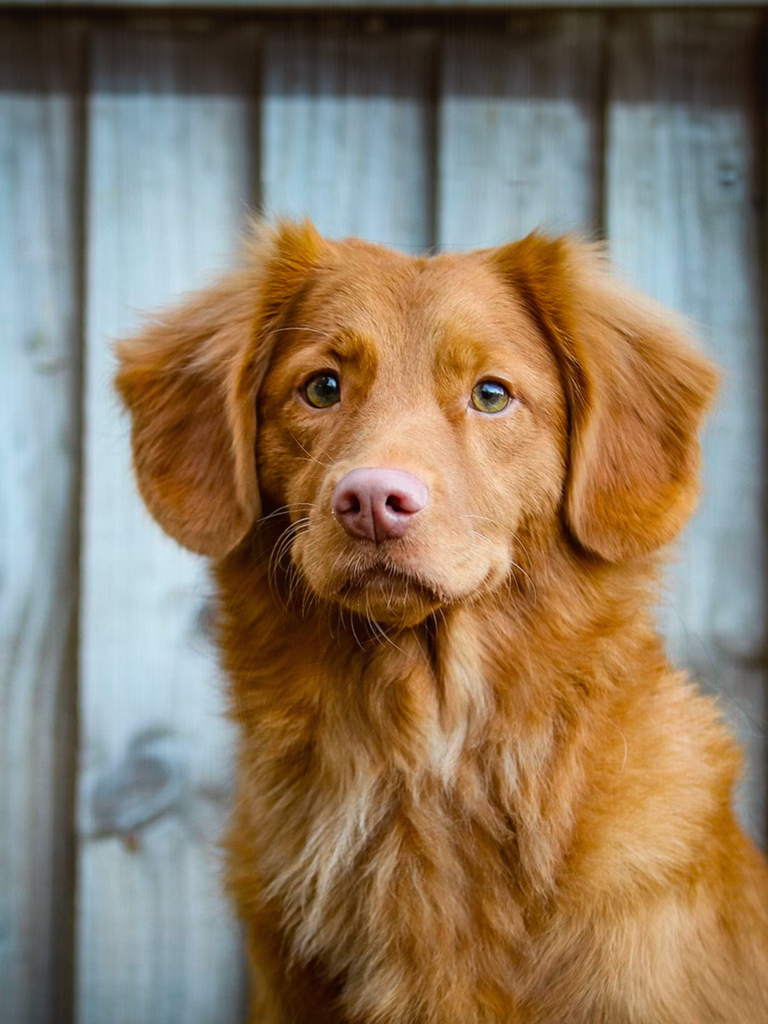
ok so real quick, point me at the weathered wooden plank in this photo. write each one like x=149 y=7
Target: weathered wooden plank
x=169 y=183
x=519 y=129
x=682 y=216
x=346 y=129
x=40 y=140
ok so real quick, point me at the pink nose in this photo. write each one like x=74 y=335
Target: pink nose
x=378 y=504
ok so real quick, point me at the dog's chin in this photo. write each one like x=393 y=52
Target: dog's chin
x=394 y=598
x=390 y=587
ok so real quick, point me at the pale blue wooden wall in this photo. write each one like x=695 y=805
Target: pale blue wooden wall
x=130 y=151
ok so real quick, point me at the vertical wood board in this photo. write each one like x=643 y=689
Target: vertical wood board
x=170 y=178
x=519 y=129
x=683 y=221
x=40 y=139
x=346 y=128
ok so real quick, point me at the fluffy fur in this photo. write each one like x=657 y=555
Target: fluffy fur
x=470 y=789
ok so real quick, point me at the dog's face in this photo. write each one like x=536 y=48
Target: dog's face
x=419 y=420
x=412 y=421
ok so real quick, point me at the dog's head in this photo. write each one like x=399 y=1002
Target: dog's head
x=419 y=420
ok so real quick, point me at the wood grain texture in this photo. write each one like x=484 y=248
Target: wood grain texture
x=346 y=131
x=40 y=140
x=683 y=221
x=519 y=129
x=170 y=178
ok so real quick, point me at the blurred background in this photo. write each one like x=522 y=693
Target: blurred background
x=133 y=143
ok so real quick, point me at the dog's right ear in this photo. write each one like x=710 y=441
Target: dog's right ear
x=190 y=381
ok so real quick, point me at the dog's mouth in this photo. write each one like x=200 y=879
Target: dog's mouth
x=389 y=593
x=398 y=582
x=385 y=578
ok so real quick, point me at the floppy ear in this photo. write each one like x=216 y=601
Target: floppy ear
x=189 y=382
x=636 y=390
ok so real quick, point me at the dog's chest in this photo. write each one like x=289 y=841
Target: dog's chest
x=391 y=852
x=413 y=880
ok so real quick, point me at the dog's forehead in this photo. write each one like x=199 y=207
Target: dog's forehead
x=419 y=308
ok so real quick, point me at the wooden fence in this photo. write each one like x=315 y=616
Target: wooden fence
x=131 y=148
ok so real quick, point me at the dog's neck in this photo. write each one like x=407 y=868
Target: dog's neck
x=507 y=689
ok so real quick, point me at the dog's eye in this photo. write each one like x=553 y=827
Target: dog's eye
x=322 y=390
x=490 y=396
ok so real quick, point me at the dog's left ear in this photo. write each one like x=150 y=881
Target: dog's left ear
x=636 y=390
x=189 y=382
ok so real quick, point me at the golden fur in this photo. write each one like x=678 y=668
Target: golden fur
x=470 y=789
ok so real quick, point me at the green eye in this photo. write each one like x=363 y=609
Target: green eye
x=490 y=396
x=323 y=390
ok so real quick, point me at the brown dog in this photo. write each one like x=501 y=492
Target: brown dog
x=471 y=789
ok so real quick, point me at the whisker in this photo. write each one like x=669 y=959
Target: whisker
x=488 y=546
x=519 y=543
x=293 y=506
x=381 y=632
x=309 y=330
x=486 y=519
x=514 y=564
x=281 y=548
x=312 y=458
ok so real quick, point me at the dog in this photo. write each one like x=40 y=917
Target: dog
x=436 y=492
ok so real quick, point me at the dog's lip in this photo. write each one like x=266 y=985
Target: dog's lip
x=383 y=573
